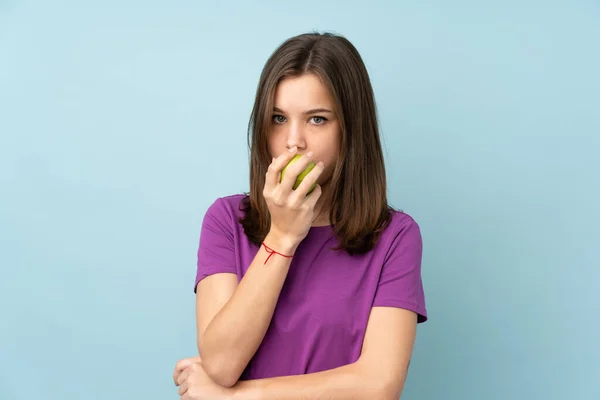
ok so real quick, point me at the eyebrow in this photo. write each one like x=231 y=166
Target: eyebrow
x=313 y=111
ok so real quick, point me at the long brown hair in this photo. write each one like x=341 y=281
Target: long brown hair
x=358 y=192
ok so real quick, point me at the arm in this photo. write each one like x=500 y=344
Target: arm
x=223 y=306
x=379 y=373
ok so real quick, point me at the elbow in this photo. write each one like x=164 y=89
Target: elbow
x=387 y=394
x=382 y=386
x=391 y=390
x=221 y=372
x=377 y=383
x=220 y=368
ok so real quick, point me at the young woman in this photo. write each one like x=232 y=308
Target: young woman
x=307 y=294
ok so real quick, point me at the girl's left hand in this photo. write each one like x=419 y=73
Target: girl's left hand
x=195 y=384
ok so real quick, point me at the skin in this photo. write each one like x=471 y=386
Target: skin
x=223 y=304
x=296 y=123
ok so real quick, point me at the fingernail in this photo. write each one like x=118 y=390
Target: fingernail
x=309 y=154
x=293 y=149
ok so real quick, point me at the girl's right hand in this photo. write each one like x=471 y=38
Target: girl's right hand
x=292 y=211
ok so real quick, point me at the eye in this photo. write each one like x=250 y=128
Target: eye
x=319 y=120
x=278 y=119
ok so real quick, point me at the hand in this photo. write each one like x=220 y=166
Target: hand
x=182 y=365
x=195 y=384
x=292 y=211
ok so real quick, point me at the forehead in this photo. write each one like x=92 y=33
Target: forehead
x=300 y=93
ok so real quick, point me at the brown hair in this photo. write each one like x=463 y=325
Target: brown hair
x=358 y=193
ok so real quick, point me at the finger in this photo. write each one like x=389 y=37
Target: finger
x=312 y=198
x=292 y=172
x=272 y=177
x=183 y=388
x=311 y=178
x=184 y=375
x=183 y=364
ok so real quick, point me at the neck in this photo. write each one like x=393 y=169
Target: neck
x=322 y=220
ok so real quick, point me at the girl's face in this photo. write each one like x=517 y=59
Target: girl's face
x=303 y=116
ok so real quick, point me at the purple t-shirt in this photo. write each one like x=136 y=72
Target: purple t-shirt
x=321 y=316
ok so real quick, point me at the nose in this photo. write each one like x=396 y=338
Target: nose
x=295 y=136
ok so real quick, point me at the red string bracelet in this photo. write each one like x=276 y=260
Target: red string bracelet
x=271 y=252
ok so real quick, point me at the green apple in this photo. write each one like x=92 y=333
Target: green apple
x=302 y=174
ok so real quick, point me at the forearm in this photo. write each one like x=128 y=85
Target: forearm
x=237 y=330
x=349 y=382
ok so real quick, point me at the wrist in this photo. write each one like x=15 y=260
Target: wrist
x=281 y=243
x=245 y=390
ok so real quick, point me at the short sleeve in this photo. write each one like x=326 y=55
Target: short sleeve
x=400 y=284
x=216 y=251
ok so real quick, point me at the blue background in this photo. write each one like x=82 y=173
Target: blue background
x=121 y=121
